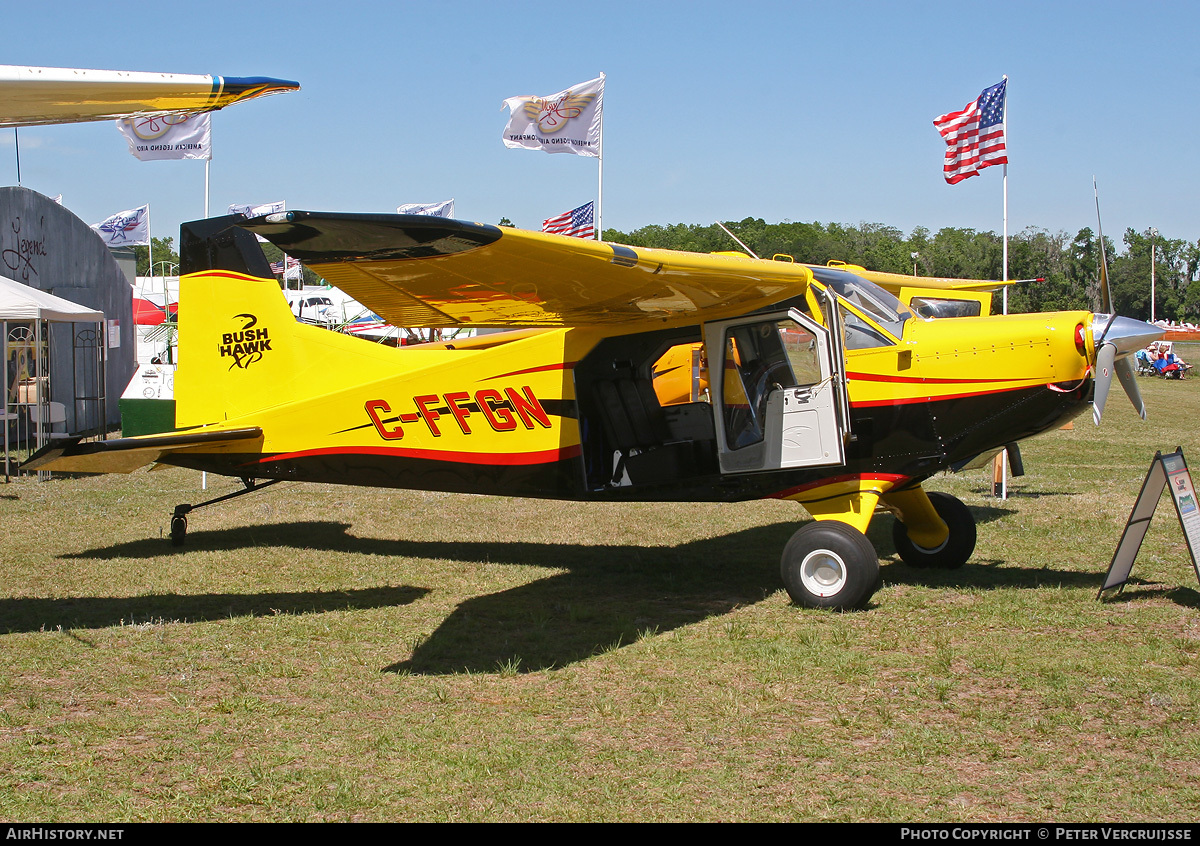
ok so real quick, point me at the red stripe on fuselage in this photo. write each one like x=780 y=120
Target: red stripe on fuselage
x=561 y=365
x=508 y=459
x=920 y=380
x=937 y=398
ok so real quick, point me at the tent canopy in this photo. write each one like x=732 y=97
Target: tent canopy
x=21 y=302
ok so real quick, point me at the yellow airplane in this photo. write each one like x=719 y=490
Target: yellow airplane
x=623 y=373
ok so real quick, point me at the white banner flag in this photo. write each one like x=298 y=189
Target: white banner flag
x=171 y=136
x=442 y=209
x=126 y=229
x=566 y=122
x=252 y=210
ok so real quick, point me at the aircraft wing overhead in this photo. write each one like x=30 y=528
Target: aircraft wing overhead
x=892 y=281
x=32 y=96
x=423 y=271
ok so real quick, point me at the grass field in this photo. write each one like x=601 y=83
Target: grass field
x=326 y=653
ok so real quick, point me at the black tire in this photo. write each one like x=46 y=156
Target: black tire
x=958 y=546
x=828 y=564
x=178 y=530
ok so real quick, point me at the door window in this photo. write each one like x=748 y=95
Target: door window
x=761 y=358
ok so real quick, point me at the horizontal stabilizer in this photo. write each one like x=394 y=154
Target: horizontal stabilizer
x=124 y=455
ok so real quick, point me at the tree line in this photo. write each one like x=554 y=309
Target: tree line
x=1068 y=266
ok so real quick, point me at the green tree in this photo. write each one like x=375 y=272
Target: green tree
x=1035 y=254
x=166 y=260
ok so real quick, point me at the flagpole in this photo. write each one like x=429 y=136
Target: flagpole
x=1004 y=453
x=207 y=162
x=600 y=189
x=150 y=252
x=1006 y=195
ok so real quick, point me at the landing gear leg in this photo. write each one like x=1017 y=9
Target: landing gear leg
x=917 y=537
x=179 y=517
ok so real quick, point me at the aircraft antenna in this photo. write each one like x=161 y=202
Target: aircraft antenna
x=1105 y=293
x=736 y=238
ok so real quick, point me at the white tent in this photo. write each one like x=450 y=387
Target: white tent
x=20 y=302
x=23 y=304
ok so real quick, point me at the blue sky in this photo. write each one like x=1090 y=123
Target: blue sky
x=785 y=111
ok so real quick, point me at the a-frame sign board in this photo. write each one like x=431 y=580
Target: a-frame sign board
x=1166 y=471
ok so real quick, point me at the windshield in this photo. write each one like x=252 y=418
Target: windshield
x=878 y=304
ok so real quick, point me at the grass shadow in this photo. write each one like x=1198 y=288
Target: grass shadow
x=1183 y=596
x=609 y=595
x=30 y=614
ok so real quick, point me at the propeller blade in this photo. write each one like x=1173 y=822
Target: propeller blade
x=1104 y=372
x=1128 y=376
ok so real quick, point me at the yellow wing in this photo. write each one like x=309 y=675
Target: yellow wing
x=895 y=281
x=33 y=96
x=424 y=271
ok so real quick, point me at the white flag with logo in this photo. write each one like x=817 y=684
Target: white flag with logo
x=566 y=122
x=252 y=210
x=126 y=229
x=442 y=209
x=170 y=136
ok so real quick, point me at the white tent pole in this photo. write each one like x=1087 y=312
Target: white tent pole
x=4 y=416
x=37 y=383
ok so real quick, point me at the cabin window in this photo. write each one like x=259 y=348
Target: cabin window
x=936 y=307
x=858 y=334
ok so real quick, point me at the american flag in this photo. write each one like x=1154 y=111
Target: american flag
x=290 y=270
x=577 y=222
x=975 y=135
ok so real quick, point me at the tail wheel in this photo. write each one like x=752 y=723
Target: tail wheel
x=957 y=547
x=828 y=564
x=178 y=529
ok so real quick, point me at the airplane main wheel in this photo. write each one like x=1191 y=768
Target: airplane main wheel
x=828 y=564
x=957 y=547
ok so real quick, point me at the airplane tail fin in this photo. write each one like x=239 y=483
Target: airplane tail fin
x=242 y=351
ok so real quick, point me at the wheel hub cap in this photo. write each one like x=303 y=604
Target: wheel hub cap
x=823 y=573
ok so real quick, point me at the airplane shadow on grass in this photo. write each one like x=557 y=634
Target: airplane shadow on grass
x=609 y=596
x=32 y=614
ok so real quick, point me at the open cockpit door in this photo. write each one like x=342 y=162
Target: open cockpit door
x=778 y=401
